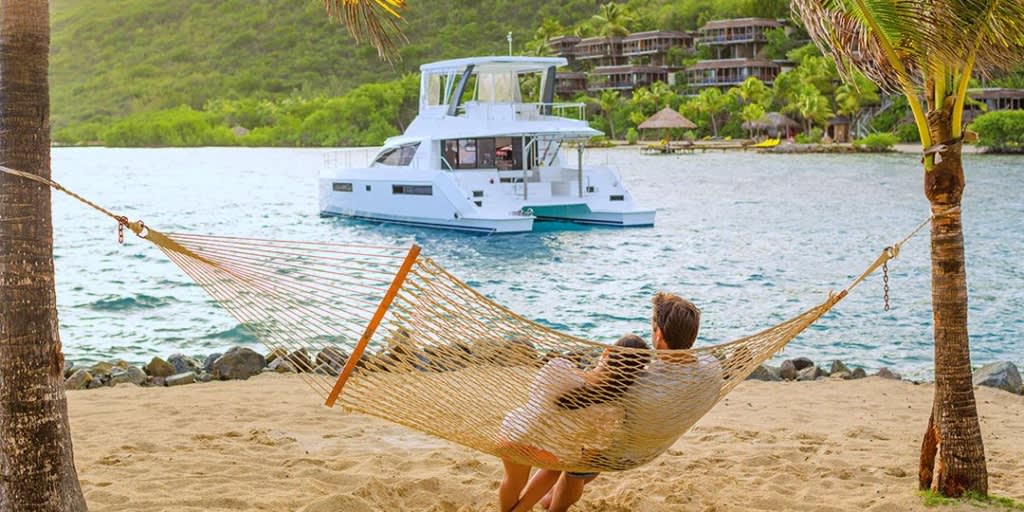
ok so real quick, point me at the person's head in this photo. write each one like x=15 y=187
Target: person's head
x=675 y=321
x=623 y=366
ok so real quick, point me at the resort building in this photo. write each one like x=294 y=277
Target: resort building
x=737 y=38
x=600 y=51
x=993 y=99
x=652 y=48
x=637 y=60
x=737 y=47
x=565 y=46
x=569 y=84
x=625 y=78
x=725 y=73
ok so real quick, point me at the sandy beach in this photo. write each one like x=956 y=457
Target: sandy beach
x=268 y=443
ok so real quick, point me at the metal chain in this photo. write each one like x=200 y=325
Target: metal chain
x=885 y=284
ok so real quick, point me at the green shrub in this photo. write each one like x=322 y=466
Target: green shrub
x=632 y=136
x=1001 y=131
x=907 y=132
x=812 y=137
x=876 y=142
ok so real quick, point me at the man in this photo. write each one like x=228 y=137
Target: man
x=672 y=377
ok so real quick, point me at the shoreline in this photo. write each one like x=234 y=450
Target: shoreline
x=268 y=443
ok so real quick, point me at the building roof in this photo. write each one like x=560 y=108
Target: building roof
x=561 y=39
x=599 y=40
x=731 y=63
x=655 y=34
x=607 y=70
x=666 y=118
x=995 y=93
x=741 y=22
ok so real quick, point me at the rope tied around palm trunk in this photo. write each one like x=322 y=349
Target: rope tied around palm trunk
x=386 y=331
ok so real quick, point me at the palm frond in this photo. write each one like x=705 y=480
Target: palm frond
x=880 y=38
x=992 y=31
x=373 y=20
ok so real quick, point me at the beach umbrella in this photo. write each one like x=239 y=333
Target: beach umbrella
x=666 y=119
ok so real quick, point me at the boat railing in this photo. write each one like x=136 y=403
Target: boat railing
x=349 y=158
x=523 y=111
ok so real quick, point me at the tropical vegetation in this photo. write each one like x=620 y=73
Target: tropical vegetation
x=928 y=53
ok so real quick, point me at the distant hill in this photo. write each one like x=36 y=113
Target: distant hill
x=112 y=58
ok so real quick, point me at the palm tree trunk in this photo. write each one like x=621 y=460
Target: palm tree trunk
x=952 y=453
x=37 y=470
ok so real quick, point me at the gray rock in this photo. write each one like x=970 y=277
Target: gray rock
x=280 y=365
x=157 y=382
x=886 y=373
x=95 y=383
x=333 y=357
x=788 y=370
x=157 y=367
x=181 y=379
x=210 y=359
x=204 y=377
x=802 y=362
x=78 y=380
x=69 y=368
x=840 y=375
x=858 y=373
x=183 y=363
x=766 y=373
x=1003 y=375
x=806 y=374
x=276 y=353
x=300 y=360
x=838 y=367
x=101 y=371
x=130 y=375
x=238 y=363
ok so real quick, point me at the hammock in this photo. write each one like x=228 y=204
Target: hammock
x=388 y=332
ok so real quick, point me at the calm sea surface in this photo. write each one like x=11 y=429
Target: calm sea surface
x=752 y=239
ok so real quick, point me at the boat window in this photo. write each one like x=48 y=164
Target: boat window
x=398 y=156
x=413 y=190
x=467 y=154
x=342 y=187
x=485 y=153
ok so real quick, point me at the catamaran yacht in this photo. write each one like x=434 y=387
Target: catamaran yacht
x=480 y=158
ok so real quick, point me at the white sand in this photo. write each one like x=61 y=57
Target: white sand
x=269 y=444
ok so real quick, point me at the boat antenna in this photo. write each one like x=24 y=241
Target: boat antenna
x=508 y=37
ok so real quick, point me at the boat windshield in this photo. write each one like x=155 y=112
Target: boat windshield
x=399 y=156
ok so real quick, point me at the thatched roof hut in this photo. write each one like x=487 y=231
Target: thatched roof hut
x=667 y=118
x=773 y=122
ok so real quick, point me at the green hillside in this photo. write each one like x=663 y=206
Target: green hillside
x=112 y=58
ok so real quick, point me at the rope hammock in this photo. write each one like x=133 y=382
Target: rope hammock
x=388 y=332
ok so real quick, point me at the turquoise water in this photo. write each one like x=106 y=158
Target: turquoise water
x=752 y=239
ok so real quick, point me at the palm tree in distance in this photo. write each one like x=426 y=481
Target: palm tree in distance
x=928 y=51
x=612 y=20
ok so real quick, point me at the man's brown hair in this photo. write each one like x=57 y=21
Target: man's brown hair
x=677 y=318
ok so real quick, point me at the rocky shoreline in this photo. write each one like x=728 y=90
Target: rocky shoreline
x=240 y=363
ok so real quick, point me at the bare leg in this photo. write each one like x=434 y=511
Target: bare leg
x=567 y=492
x=539 y=485
x=512 y=484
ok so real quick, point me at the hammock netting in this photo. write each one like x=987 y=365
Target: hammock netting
x=389 y=333
x=427 y=351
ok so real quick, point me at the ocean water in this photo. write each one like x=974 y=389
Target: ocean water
x=752 y=239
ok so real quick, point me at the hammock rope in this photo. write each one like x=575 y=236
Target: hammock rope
x=388 y=332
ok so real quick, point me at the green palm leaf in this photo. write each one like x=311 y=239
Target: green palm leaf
x=373 y=20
